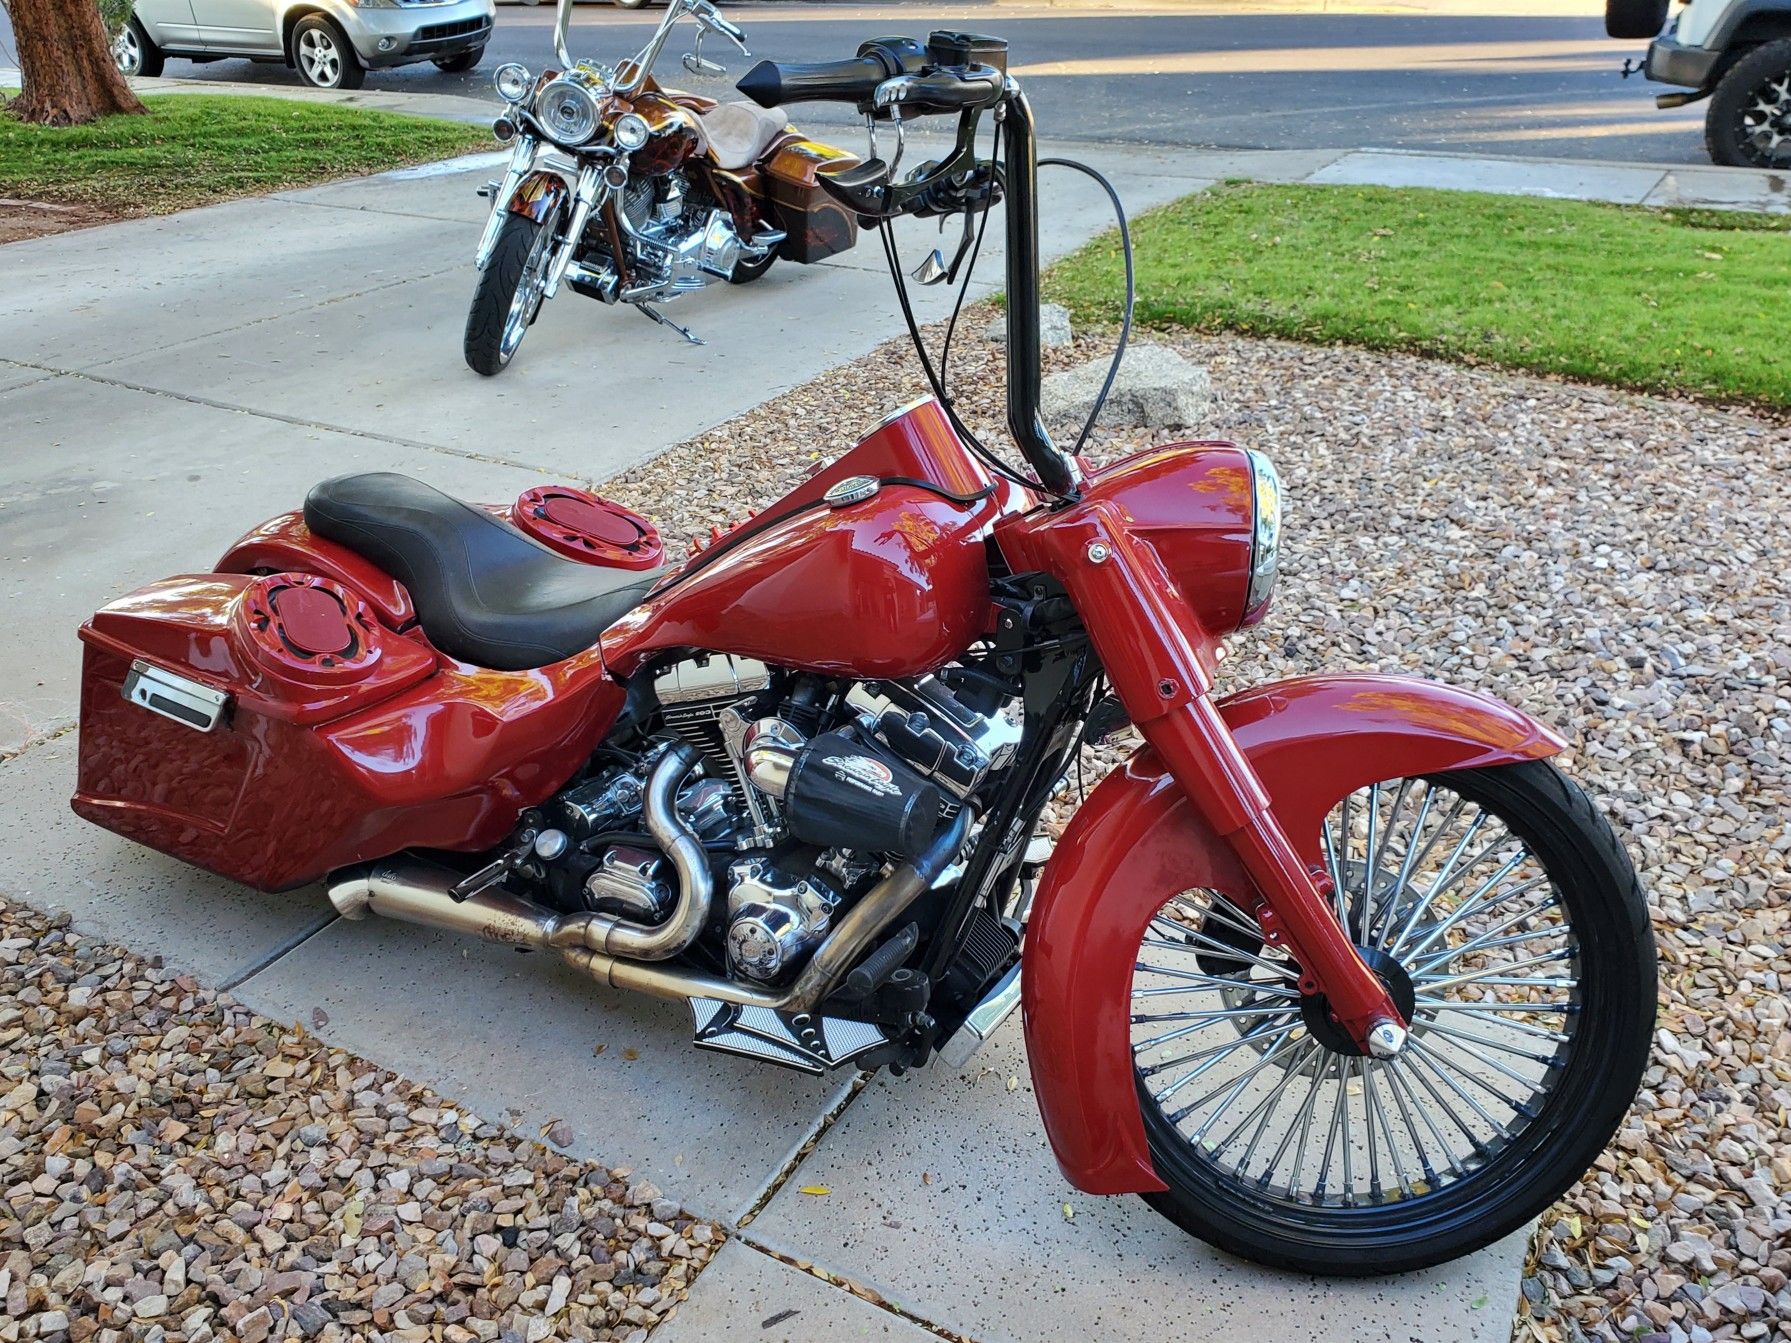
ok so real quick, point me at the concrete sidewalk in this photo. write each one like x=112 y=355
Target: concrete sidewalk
x=165 y=383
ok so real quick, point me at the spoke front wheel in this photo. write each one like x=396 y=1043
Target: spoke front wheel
x=1506 y=921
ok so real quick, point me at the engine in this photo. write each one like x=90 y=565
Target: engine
x=810 y=791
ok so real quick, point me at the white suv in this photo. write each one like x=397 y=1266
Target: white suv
x=332 y=43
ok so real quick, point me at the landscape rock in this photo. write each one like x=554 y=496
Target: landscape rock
x=1054 y=327
x=1156 y=388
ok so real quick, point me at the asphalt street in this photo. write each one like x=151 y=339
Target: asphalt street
x=1527 y=84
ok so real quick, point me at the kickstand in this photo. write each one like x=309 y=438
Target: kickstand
x=663 y=320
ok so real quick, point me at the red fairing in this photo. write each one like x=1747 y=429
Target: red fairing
x=344 y=741
x=894 y=586
x=1137 y=841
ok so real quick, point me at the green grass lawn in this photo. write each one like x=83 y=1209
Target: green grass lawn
x=1662 y=300
x=193 y=149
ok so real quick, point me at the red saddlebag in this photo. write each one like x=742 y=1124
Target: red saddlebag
x=199 y=698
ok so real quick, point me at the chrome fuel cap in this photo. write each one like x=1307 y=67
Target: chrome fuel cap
x=852 y=490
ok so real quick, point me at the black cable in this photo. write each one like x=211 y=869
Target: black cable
x=1125 y=323
x=971 y=441
x=951 y=327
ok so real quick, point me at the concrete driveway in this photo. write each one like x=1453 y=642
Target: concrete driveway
x=165 y=383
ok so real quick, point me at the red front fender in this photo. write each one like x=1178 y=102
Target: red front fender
x=1137 y=841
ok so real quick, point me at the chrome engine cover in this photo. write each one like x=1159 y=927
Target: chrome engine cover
x=927 y=726
x=774 y=919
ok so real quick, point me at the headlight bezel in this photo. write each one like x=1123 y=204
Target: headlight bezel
x=523 y=82
x=558 y=91
x=1266 y=495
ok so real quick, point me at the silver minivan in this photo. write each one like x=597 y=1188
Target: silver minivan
x=331 y=43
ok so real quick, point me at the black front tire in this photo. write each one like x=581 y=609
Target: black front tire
x=492 y=338
x=1599 y=1072
x=460 y=62
x=1736 y=130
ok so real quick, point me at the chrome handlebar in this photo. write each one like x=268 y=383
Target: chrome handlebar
x=641 y=64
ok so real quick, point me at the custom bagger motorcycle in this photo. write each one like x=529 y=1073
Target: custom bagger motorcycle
x=627 y=192
x=1339 y=973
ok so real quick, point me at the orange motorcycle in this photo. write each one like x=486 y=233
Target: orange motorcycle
x=628 y=192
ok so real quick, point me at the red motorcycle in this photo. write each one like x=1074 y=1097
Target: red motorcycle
x=1339 y=973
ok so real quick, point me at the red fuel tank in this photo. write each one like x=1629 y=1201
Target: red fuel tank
x=892 y=585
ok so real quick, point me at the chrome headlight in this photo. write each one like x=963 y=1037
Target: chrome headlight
x=512 y=82
x=567 y=112
x=1265 y=535
x=631 y=131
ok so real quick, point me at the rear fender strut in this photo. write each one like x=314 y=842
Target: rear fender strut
x=1137 y=841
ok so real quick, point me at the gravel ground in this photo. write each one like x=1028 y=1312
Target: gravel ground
x=1617 y=565
x=173 y=1166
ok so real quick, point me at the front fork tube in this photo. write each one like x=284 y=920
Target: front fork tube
x=522 y=159
x=1140 y=634
x=586 y=196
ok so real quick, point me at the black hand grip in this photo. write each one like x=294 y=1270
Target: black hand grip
x=948 y=90
x=773 y=83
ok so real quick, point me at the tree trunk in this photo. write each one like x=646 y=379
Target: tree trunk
x=66 y=60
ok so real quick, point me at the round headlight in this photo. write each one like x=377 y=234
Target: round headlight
x=1265 y=535
x=512 y=82
x=631 y=131
x=567 y=112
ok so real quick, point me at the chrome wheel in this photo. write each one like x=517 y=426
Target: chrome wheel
x=127 y=52
x=319 y=57
x=530 y=290
x=1458 y=917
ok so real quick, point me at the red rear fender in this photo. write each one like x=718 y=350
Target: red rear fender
x=1137 y=841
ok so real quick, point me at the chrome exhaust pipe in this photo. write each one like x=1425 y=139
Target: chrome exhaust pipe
x=613 y=936
x=413 y=891
x=417 y=892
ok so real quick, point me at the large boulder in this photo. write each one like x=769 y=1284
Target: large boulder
x=1054 y=326
x=1156 y=388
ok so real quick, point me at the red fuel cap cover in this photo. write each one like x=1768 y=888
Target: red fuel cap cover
x=308 y=626
x=583 y=526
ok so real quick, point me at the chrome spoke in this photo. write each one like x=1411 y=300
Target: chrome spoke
x=1402 y=883
x=1459 y=913
x=1231 y=1090
x=1455 y=1034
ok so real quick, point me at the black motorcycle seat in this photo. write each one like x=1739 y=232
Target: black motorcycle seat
x=484 y=592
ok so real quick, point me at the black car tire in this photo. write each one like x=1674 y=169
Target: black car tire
x=1635 y=20
x=1599 y=1075
x=460 y=62
x=149 y=55
x=1749 y=81
x=348 y=72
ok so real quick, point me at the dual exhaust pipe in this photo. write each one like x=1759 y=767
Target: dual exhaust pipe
x=627 y=955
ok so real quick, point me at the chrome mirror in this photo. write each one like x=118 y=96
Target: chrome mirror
x=694 y=61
